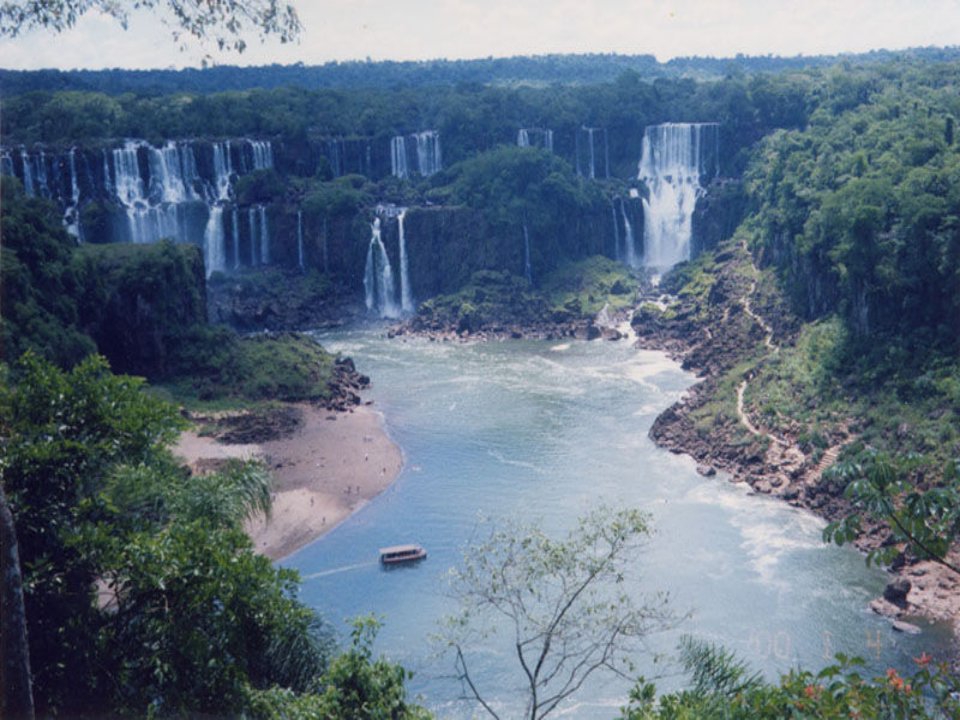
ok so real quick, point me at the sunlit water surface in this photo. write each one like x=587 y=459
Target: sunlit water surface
x=545 y=431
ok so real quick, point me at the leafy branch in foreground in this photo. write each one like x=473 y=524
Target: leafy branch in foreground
x=561 y=602
x=927 y=521
x=225 y=21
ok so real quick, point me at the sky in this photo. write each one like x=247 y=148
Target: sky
x=457 y=29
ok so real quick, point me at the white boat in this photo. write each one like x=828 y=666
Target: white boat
x=401 y=554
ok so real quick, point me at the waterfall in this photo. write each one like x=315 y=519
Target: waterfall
x=108 y=186
x=670 y=166
x=262 y=154
x=527 y=269
x=335 y=152
x=628 y=238
x=27 y=174
x=222 y=169
x=71 y=218
x=235 y=231
x=378 y=286
x=398 y=157
x=264 y=235
x=252 y=224
x=406 y=296
x=428 y=152
x=535 y=137
x=428 y=156
x=300 y=238
x=214 y=242
x=43 y=187
x=618 y=254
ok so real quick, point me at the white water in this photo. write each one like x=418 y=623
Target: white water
x=264 y=235
x=379 y=288
x=252 y=224
x=235 y=231
x=262 y=154
x=670 y=166
x=215 y=242
x=27 y=174
x=222 y=169
x=543 y=432
x=535 y=137
x=407 y=305
x=427 y=157
x=618 y=252
x=628 y=237
x=71 y=217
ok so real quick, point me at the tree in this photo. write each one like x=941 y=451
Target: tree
x=16 y=693
x=141 y=591
x=927 y=522
x=563 y=602
x=223 y=21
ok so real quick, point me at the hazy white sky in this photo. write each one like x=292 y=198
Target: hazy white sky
x=426 y=29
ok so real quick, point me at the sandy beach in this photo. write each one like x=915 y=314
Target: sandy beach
x=328 y=468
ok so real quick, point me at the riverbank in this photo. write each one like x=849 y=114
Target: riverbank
x=324 y=466
x=729 y=331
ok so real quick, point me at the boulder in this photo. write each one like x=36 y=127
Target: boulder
x=905 y=627
x=706 y=470
x=897 y=591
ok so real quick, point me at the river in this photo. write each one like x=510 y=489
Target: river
x=544 y=431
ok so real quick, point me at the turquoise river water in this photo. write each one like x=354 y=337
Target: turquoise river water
x=544 y=431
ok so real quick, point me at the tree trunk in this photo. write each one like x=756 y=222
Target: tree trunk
x=16 y=690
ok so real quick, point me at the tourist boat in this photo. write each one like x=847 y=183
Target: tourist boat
x=401 y=554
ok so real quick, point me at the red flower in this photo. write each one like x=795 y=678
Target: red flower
x=923 y=660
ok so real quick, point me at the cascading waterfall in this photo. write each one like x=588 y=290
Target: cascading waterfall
x=398 y=157
x=264 y=235
x=71 y=218
x=527 y=268
x=262 y=154
x=378 y=285
x=588 y=168
x=235 y=231
x=161 y=192
x=27 y=174
x=617 y=252
x=428 y=152
x=214 y=242
x=222 y=169
x=428 y=158
x=252 y=224
x=535 y=137
x=407 y=305
x=630 y=256
x=670 y=166
x=300 y=238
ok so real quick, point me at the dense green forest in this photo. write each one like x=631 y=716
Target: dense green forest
x=521 y=70
x=850 y=208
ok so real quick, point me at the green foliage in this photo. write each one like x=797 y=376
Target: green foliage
x=355 y=686
x=838 y=691
x=927 y=521
x=143 y=593
x=38 y=284
x=260 y=186
x=225 y=23
x=214 y=362
x=590 y=285
x=559 y=603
